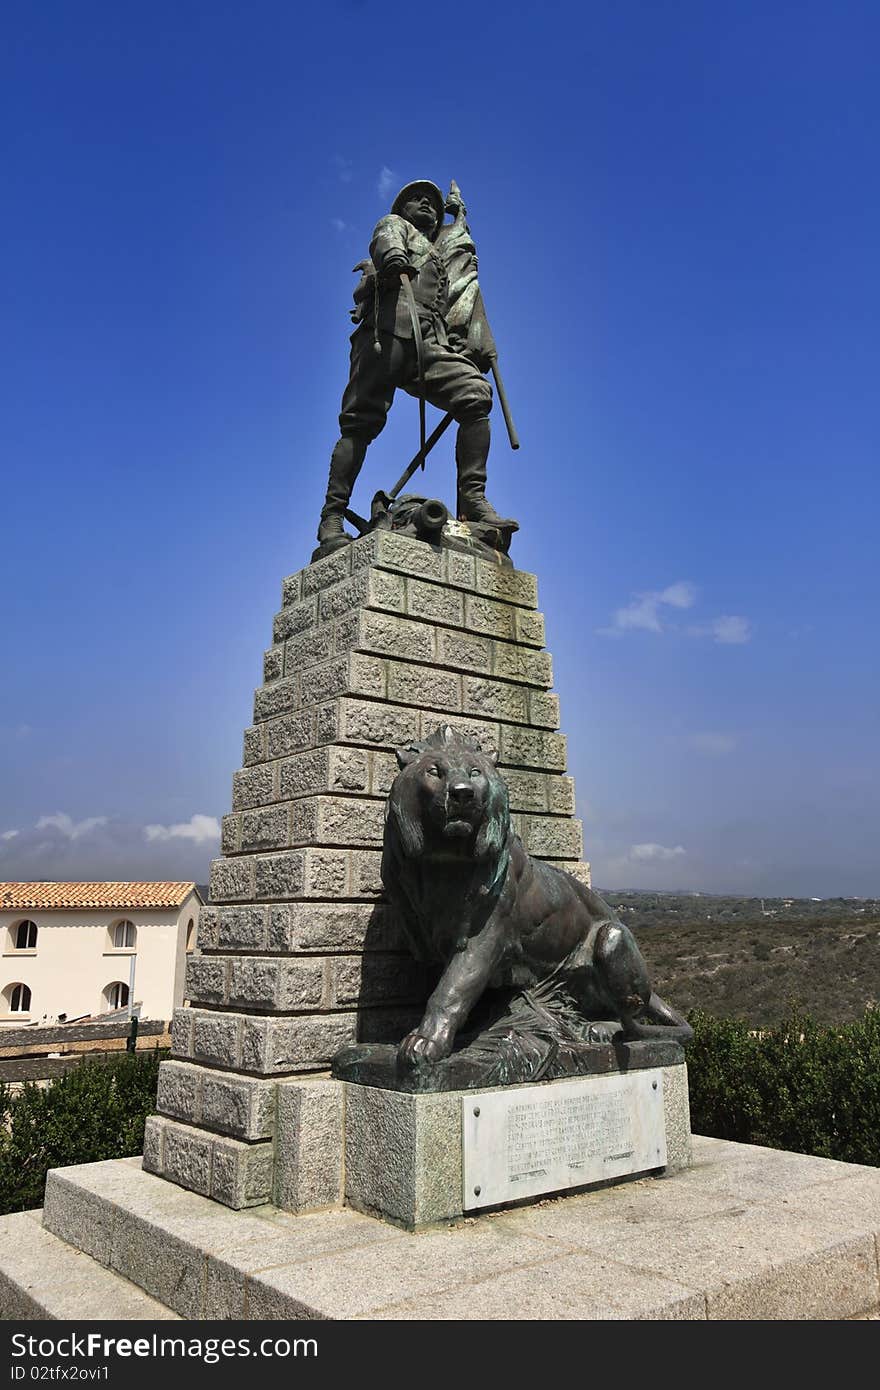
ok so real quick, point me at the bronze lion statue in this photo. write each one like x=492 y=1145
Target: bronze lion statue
x=476 y=905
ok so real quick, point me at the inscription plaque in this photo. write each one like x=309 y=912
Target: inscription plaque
x=527 y=1140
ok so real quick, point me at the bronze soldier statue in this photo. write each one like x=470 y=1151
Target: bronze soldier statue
x=402 y=340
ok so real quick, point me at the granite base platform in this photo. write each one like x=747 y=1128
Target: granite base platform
x=744 y=1233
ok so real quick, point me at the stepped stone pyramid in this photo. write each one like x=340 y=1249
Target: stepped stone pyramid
x=298 y=955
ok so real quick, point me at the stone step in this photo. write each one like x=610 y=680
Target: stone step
x=450 y=693
x=43 y=1279
x=386 y=725
x=359 y=823
x=407 y=639
x=745 y=1234
x=402 y=555
x=363 y=772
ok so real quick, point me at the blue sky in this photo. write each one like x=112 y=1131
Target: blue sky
x=677 y=212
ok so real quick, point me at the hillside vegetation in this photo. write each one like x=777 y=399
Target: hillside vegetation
x=734 y=959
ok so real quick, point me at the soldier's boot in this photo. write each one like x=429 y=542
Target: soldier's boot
x=471 y=453
x=345 y=464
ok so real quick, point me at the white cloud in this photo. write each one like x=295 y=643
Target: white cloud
x=731 y=630
x=644 y=613
x=8 y=835
x=386 y=181
x=337 y=224
x=69 y=828
x=655 y=852
x=716 y=745
x=199 y=829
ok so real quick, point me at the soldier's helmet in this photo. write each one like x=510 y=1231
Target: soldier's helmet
x=418 y=189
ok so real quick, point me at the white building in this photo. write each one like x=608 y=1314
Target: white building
x=74 y=950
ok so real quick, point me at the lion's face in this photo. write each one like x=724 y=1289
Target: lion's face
x=449 y=799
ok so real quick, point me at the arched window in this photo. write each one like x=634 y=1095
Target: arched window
x=18 y=998
x=190 y=936
x=124 y=936
x=116 y=995
x=26 y=936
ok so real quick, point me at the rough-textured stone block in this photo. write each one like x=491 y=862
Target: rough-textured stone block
x=560 y=795
x=280 y=1046
x=543 y=709
x=523 y=747
x=277 y=698
x=367 y=722
x=677 y=1115
x=216 y=1038
x=209 y=928
x=232 y=880
x=205 y=980
x=384 y=768
x=362 y=675
x=366 y=877
x=289 y=734
x=329 y=926
x=291 y=588
x=273 y=664
x=239 y=929
x=486 y=616
x=378 y=979
x=294 y=619
x=241 y=1174
x=180 y=1091
x=459 y=569
x=493 y=699
x=486 y=732
x=305 y=774
x=267 y=828
x=463 y=651
x=434 y=603
x=187 y=1158
x=154 y=1144
x=327 y=873
x=529 y=627
x=182 y=1032
x=309 y=1145
x=403 y=1154
x=330 y=820
x=280 y=875
x=308 y=649
x=238 y=1105
x=230 y=834
x=348 y=770
x=325 y=770
x=523 y=664
x=511 y=586
x=528 y=790
x=424 y=685
x=331 y=570
x=553 y=837
x=277 y=986
x=368 y=589
x=386 y=634
x=402 y=553
x=77 y=1216
x=254 y=786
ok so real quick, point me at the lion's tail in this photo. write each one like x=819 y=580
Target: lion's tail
x=664 y=1023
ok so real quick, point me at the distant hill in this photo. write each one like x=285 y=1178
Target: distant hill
x=735 y=958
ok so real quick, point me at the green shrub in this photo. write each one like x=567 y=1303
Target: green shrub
x=799 y=1085
x=95 y=1111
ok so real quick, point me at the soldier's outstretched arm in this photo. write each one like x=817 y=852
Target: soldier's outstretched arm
x=388 y=247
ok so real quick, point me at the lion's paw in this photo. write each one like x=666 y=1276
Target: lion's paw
x=416 y=1049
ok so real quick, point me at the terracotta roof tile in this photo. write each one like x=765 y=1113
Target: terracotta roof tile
x=56 y=896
